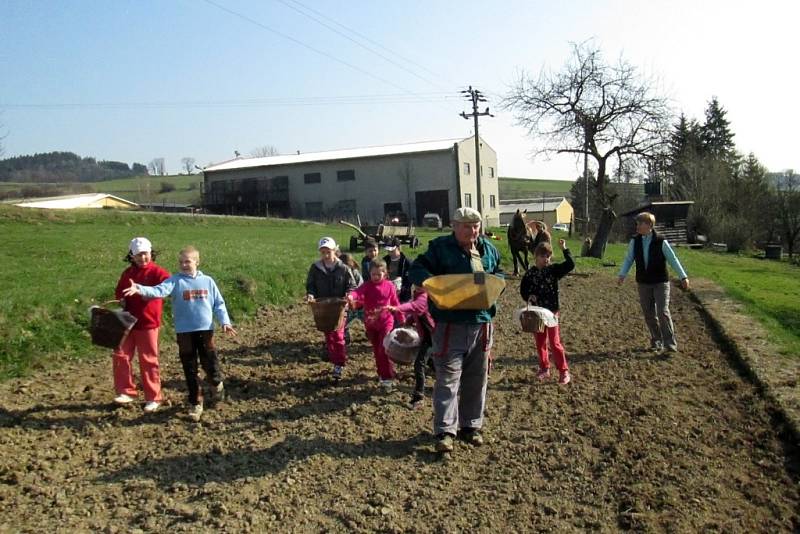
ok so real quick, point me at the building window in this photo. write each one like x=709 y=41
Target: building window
x=314 y=210
x=468 y=200
x=466 y=167
x=346 y=207
x=492 y=203
x=312 y=178
x=491 y=172
x=345 y=176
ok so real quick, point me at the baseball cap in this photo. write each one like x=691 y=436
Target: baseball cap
x=327 y=242
x=467 y=215
x=140 y=244
x=392 y=244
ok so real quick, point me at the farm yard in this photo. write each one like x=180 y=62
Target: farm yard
x=638 y=441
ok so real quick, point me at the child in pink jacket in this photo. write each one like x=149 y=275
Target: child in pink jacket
x=416 y=310
x=376 y=295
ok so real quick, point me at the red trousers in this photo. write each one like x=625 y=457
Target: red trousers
x=552 y=334
x=146 y=343
x=375 y=334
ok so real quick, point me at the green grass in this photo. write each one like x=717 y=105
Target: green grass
x=769 y=290
x=531 y=188
x=55 y=264
x=139 y=188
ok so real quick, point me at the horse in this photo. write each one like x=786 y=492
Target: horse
x=519 y=240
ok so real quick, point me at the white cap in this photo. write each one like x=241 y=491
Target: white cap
x=467 y=215
x=327 y=242
x=140 y=244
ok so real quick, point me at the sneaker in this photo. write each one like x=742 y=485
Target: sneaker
x=657 y=346
x=338 y=370
x=151 y=406
x=472 y=436
x=195 y=412
x=672 y=349
x=218 y=392
x=417 y=402
x=543 y=374
x=123 y=399
x=565 y=378
x=444 y=443
x=386 y=384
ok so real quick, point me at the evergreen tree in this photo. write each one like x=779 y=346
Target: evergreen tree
x=716 y=132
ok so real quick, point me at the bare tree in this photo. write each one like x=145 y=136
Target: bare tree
x=187 y=164
x=156 y=167
x=595 y=109
x=264 y=151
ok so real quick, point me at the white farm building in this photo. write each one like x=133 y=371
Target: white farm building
x=415 y=178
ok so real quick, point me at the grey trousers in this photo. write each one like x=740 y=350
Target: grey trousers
x=654 y=299
x=461 y=359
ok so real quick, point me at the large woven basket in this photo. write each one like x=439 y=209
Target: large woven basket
x=329 y=314
x=473 y=291
x=108 y=327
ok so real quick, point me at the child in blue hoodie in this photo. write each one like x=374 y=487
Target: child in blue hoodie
x=195 y=300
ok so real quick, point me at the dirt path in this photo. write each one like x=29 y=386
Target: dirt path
x=638 y=441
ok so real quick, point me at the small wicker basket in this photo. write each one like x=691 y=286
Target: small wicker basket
x=531 y=322
x=402 y=345
x=329 y=314
x=108 y=327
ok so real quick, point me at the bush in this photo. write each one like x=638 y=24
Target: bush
x=166 y=187
x=733 y=232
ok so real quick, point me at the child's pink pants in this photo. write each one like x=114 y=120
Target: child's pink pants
x=334 y=342
x=145 y=342
x=553 y=334
x=375 y=334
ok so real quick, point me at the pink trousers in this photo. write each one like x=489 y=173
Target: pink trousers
x=146 y=343
x=382 y=361
x=552 y=334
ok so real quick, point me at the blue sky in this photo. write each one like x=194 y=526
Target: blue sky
x=132 y=80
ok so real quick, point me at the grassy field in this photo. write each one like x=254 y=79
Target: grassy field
x=531 y=188
x=55 y=264
x=140 y=188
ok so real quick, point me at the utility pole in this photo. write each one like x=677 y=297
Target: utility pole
x=476 y=96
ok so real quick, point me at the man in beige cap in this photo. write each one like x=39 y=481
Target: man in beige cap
x=462 y=339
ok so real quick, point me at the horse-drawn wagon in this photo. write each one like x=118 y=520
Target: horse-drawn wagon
x=395 y=225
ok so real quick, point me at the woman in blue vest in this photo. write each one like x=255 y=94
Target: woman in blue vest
x=651 y=253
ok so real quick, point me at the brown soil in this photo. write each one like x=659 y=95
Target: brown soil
x=638 y=441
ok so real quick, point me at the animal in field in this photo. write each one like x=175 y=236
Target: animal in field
x=520 y=239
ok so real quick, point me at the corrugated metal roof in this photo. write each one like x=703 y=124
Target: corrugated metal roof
x=549 y=204
x=349 y=153
x=71 y=201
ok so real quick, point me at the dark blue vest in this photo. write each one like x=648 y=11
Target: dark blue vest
x=656 y=271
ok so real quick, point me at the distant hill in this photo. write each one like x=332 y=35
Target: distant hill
x=511 y=188
x=64 y=167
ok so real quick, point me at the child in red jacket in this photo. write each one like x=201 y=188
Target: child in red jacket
x=144 y=336
x=376 y=295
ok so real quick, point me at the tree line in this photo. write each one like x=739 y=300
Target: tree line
x=615 y=120
x=58 y=167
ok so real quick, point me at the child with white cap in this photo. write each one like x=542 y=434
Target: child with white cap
x=144 y=336
x=328 y=277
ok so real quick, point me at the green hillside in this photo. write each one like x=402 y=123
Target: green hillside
x=531 y=188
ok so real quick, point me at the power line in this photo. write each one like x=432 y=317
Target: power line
x=371 y=50
x=305 y=45
x=395 y=98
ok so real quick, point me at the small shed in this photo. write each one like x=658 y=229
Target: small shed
x=69 y=202
x=670 y=217
x=551 y=210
